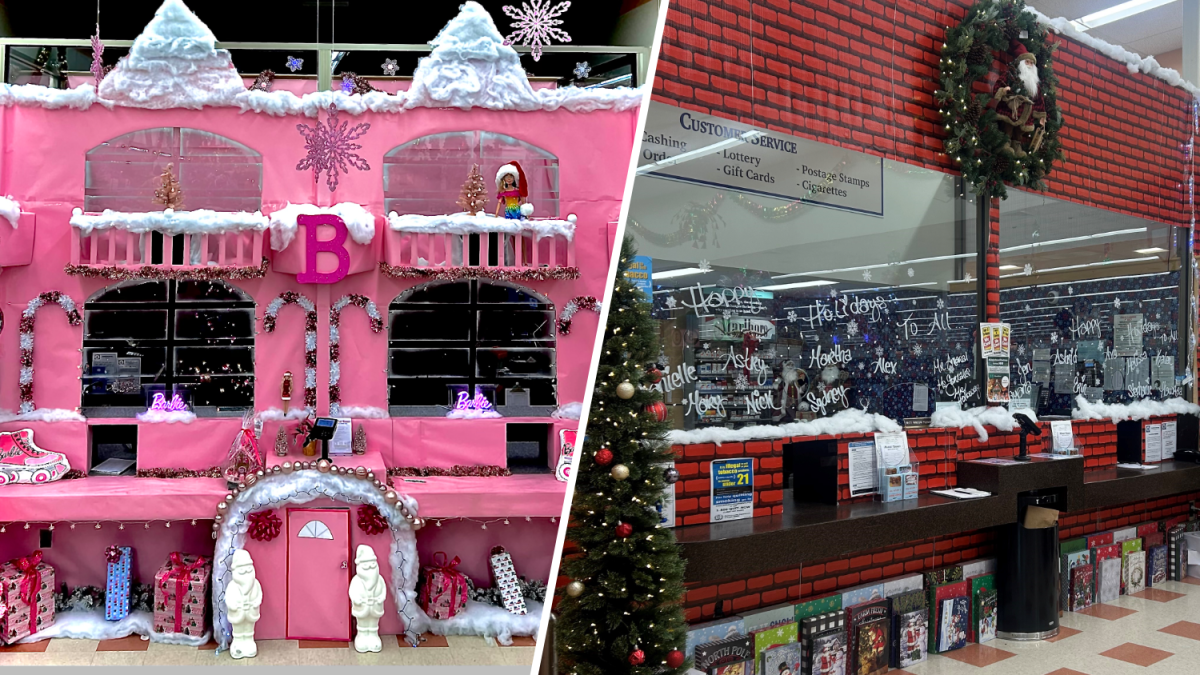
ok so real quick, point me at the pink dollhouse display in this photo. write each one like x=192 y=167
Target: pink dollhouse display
x=203 y=268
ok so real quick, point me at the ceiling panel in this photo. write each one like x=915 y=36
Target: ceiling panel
x=1152 y=32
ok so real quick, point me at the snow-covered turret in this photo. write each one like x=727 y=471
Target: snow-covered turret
x=174 y=63
x=470 y=66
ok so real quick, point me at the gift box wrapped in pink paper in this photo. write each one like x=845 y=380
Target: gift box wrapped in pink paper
x=444 y=589
x=180 y=595
x=26 y=597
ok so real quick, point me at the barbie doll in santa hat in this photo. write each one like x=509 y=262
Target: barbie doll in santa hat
x=512 y=193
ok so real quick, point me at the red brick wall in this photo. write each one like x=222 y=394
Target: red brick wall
x=862 y=74
x=1083 y=523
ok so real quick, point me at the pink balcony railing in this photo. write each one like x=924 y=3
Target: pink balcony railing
x=121 y=248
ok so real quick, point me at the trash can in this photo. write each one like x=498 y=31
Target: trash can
x=1027 y=568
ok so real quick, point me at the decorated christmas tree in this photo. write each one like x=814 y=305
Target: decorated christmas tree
x=169 y=194
x=473 y=197
x=621 y=612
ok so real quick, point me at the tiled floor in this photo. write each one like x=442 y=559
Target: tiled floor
x=1157 y=631
x=133 y=651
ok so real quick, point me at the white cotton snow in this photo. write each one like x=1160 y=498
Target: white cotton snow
x=362 y=412
x=465 y=223
x=470 y=67
x=1133 y=62
x=43 y=415
x=36 y=95
x=1138 y=410
x=201 y=221
x=91 y=625
x=174 y=63
x=359 y=221
x=10 y=210
x=568 y=411
x=580 y=100
x=277 y=415
x=850 y=421
x=480 y=618
x=167 y=416
x=472 y=414
x=977 y=418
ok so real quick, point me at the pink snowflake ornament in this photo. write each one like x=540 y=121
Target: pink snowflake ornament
x=97 y=62
x=331 y=148
x=535 y=24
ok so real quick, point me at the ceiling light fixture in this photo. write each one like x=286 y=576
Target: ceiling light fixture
x=1116 y=13
x=877 y=265
x=1097 y=264
x=1148 y=251
x=1010 y=267
x=699 y=152
x=799 y=284
x=1071 y=240
x=681 y=272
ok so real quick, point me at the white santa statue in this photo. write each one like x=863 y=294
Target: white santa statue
x=367 y=592
x=242 y=601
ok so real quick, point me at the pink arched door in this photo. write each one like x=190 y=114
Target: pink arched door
x=319 y=566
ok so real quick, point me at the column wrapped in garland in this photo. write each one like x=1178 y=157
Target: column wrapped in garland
x=998 y=98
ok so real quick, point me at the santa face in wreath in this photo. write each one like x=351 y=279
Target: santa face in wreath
x=1021 y=110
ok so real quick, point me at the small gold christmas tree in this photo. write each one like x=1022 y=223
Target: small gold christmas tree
x=169 y=194
x=281 y=442
x=473 y=197
x=359 y=443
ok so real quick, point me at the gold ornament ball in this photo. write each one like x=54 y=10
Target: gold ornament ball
x=575 y=589
x=360 y=472
x=390 y=497
x=620 y=472
x=418 y=523
x=625 y=390
x=324 y=465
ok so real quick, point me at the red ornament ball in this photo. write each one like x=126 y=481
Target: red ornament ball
x=658 y=409
x=604 y=457
x=624 y=530
x=655 y=374
x=674 y=658
x=637 y=658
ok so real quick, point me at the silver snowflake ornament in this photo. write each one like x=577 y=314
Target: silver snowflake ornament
x=862 y=366
x=1070 y=290
x=1117 y=303
x=1021 y=350
x=389 y=67
x=294 y=64
x=791 y=316
x=967 y=277
x=1028 y=269
x=535 y=24
x=852 y=329
x=740 y=382
x=704 y=266
x=941 y=303
x=879 y=352
x=1028 y=307
x=671 y=302
x=916 y=350
x=1054 y=338
x=911 y=273
x=582 y=70
x=728 y=314
x=866 y=275
x=331 y=148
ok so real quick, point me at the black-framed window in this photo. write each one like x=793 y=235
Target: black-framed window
x=446 y=334
x=190 y=336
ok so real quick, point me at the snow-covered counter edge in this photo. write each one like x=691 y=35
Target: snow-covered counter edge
x=1138 y=410
x=465 y=223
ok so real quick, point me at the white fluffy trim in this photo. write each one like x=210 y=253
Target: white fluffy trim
x=480 y=618
x=568 y=411
x=43 y=415
x=36 y=95
x=301 y=487
x=1138 y=410
x=277 y=415
x=362 y=412
x=202 y=221
x=465 y=223
x=174 y=63
x=359 y=221
x=850 y=421
x=1133 y=62
x=10 y=210
x=81 y=625
x=167 y=416
x=978 y=419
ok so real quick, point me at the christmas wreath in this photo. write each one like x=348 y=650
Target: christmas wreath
x=1000 y=129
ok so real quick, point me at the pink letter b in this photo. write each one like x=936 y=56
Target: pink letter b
x=312 y=246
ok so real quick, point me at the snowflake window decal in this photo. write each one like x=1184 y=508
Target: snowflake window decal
x=535 y=24
x=331 y=148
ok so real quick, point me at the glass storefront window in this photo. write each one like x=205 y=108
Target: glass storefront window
x=1093 y=297
x=792 y=279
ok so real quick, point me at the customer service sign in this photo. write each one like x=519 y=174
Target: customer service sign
x=716 y=151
